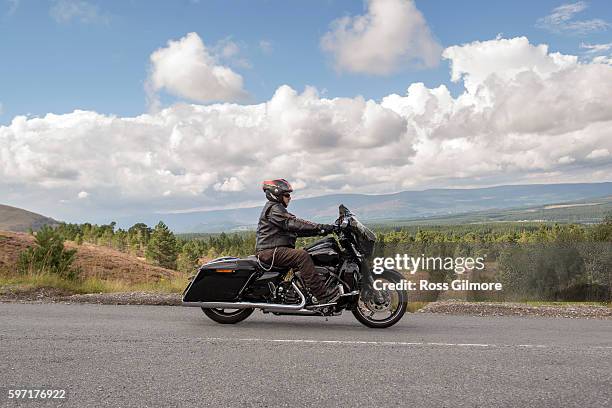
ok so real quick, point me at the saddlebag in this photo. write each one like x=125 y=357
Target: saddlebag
x=220 y=280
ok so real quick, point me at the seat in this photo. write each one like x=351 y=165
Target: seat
x=264 y=266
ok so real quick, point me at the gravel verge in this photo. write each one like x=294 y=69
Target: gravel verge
x=454 y=307
x=15 y=294
x=127 y=298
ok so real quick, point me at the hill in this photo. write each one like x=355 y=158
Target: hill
x=587 y=211
x=94 y=261
x=19 y=220
x=384 y=208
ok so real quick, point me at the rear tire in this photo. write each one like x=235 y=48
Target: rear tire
x=400 y=304
x=223 y=317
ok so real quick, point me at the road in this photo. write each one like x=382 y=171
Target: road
x=136 y=356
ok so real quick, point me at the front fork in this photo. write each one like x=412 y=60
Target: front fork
x=368 y=293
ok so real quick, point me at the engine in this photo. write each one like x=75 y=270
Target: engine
x=285 y=293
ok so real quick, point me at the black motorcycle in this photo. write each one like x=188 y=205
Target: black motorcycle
x=229 y=289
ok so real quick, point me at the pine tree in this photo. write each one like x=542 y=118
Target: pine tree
x=161 y=248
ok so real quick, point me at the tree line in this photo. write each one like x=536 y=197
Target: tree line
x=159 y=245
x=533 y=260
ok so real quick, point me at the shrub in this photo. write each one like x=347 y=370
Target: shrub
x=48 y=256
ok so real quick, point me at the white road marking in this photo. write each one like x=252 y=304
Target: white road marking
x=382 y=343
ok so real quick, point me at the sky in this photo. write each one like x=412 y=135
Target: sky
x=115 y=108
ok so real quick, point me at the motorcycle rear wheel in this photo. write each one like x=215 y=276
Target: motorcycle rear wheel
x=224 y=317
x=395 y=305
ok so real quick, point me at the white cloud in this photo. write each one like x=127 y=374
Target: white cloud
x=194 y=151
x=64 y=11
x=598 y=154
x=566 y=160
x=392 y=34
x=502 y=59
x=231 y=184
x=187 y=69
x=525 y=115
x=596 y=48
x=602 y=59
x=562 y=19
x=82 y=195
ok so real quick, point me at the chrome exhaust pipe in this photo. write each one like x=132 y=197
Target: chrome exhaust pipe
x=267 y=307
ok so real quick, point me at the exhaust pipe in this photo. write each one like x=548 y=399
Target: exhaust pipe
x=267 y=307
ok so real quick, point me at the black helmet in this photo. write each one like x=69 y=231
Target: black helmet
x=275 y=189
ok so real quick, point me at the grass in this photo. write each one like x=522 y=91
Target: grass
x=91 y=285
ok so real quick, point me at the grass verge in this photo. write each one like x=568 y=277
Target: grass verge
x=91 y=285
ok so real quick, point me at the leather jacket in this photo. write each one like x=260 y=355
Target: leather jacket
x=277 y=227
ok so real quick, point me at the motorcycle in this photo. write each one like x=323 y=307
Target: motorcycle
x=229 y=289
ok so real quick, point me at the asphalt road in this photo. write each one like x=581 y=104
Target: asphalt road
x=136 y=356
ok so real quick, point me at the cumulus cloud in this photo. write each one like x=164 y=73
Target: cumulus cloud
x=526 y=115
x=186 y=68
x=231 y=184
x=561 y=19
x=503 y=59
x=392 y=34
x=186 y=153
x=82 y=195
x=524 y=110
x=64 y=11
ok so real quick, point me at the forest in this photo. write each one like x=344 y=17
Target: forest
x=535 y=261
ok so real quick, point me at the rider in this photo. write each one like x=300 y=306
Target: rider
x=277 y=232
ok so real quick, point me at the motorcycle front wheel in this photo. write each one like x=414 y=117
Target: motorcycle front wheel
x=227 y=316
x=383 y=312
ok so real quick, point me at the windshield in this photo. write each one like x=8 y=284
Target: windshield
x=364 y=237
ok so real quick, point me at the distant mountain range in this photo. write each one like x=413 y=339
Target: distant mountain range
x=586 y=211
x=18 y=220
x=577 y=202
x=426 y=206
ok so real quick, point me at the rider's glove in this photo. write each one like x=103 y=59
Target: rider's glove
x=325 y=229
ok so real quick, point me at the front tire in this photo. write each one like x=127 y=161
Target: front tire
x=224 y=316
x=395 y=304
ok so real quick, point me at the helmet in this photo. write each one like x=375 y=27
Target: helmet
x=275 y=189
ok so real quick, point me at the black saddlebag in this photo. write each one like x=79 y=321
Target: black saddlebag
x=220 y=280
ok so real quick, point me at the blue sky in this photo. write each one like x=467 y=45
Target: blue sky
x=117 y=108
x=101 y=64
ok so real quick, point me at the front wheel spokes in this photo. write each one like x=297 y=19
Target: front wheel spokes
x=374 y=311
